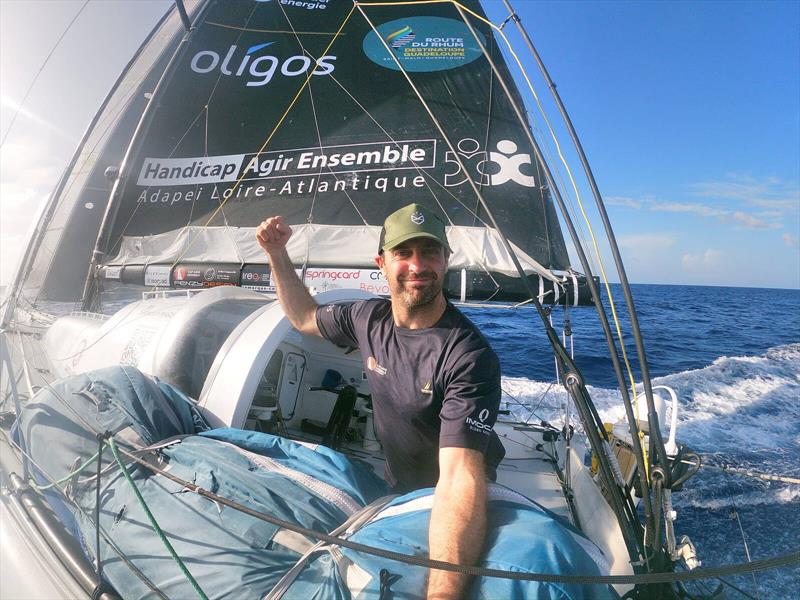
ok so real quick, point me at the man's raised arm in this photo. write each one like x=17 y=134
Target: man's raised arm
x=297 y=303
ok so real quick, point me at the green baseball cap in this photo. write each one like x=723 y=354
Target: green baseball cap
x=411 y=222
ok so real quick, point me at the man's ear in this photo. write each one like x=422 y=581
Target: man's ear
x=379 y=261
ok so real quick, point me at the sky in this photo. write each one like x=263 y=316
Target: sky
x=689 y=113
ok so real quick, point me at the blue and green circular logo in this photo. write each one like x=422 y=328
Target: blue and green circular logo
x=422 y=44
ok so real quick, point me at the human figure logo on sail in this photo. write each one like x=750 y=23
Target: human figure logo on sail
x=488 y=168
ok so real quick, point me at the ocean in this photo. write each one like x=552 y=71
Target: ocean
x=733 y=357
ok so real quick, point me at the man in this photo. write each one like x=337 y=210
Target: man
x=434 y=379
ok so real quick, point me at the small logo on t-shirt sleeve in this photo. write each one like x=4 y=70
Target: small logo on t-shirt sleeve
x=426 y=389
x=373 y=366
x=479 y=425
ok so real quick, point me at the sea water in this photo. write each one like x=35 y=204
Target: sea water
x=733 y=357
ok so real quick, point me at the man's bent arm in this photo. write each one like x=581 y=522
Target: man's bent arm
x=298 y=305
x=458 y=519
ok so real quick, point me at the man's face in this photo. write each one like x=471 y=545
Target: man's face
x=415 y=271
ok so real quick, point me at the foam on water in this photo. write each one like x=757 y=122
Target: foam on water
x=738 y=411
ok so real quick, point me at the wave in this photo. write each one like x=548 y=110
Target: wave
x=738 y=411
x=757 y=497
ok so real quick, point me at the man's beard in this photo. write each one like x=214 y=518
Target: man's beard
x=419 y=297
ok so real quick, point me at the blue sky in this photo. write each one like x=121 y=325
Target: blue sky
x=689 y=113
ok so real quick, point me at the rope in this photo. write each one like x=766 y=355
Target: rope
x=268 y=140
x=39 y=72
x=152 y=520
x=569 y=173
x=419 y=561
x=134 y=569
x=101 y=442
x=83 y=467
x=755 y=474
x=735 y=515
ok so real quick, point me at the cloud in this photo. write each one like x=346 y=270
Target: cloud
x=790 y=240
x=732 y=201
x=768 y=214
x=646 y=248
x=653 y=242
x=770 y=192
x=622 y=201
x=30 y=169
x=749 y=221
x=698 y=209
x=708 y=259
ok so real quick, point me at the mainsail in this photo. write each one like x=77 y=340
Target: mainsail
x=299 y=109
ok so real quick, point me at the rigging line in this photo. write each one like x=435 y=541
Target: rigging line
x=564 y=162
x=418 y=169
x=224 y=216
x=449 y=144
x=319 y=137
x=643 y=449
x=578 y=198
x=254 y=30
x=205 y=110
x=125 y=100
x=656 y=442
x=490 y=97
x=751 y=473
x=428 y=177
x=39 y=72
x=583 y=212
x=330 y=170
x=735 y=514
x=532 y=411
x=174 y=149
x=106 y=537
x=310 y=217
x=704 y=573
x=559 y=180
x=154 y=523
x=269 y=137
x=574 y=382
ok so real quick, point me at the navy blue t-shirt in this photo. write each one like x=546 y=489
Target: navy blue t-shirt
x=431 y=388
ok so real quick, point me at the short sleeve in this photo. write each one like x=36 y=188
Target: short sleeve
x=471 y=401
x=336 y=324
